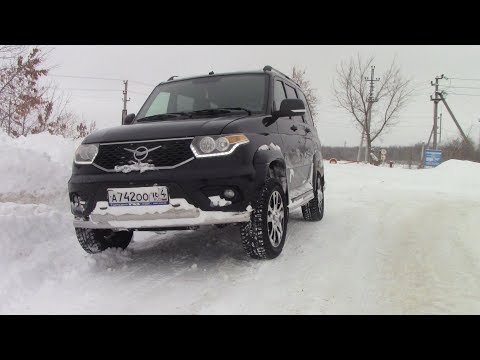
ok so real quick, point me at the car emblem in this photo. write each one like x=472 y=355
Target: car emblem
x=141 y=152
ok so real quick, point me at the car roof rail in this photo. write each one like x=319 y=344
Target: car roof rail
x=172 y=77
x=270 y=68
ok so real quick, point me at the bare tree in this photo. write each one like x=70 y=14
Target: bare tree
x=20 y=91
x=28 y=103
x=299 y=76
x=351 y=93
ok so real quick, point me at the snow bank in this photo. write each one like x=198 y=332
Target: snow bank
x=453 y=177
x=458 y=169
x=57 y=148
x=35 y=169
x=38 y=246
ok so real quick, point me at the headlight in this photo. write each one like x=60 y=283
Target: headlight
x=219 y=145
x=207 y=145
x=86 y=153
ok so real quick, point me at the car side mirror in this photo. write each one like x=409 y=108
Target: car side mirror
x=128 y=119
x=290 y=107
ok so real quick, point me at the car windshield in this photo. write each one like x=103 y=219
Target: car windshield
x=246 y=91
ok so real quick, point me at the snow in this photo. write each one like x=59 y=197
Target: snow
x=275 y=147
x=177 y=213
x=142 y=167
x=393 y=241
x=217 y=201
x=37 y=170
x=272 y=146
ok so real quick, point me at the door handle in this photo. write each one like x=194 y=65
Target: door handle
x=293 y=127
x=307 y=130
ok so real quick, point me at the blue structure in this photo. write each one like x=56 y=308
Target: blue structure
x=432 y=157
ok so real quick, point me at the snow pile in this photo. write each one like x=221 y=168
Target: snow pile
x=57 y=148
x=458 y=171
x=35 y=169
x=38 y=245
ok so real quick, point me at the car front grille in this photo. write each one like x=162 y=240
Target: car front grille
x=169 y=154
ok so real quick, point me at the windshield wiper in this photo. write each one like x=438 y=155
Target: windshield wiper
x=163 y=116
x=222 y=109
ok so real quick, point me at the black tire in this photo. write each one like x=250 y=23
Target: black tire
x=256 y=233
x=313 y=210
x=97 y=240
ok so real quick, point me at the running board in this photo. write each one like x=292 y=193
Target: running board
x=301 y=200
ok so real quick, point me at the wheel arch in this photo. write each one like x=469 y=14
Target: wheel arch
x=271 y=163
x=318 y=166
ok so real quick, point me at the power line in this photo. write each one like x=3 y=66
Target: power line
x=462 y=87
x=115 y=90
x=454 y=93
x=98 y=78
x=72 y=89
x=465 y=79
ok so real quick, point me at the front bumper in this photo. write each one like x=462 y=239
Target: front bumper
x=178 y=213
x=189 y=187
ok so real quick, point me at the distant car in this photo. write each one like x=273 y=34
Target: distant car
x=235 y=148
x=333 y=161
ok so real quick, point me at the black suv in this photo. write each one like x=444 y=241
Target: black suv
x=235 y=148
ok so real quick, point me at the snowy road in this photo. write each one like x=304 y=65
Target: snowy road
x=393 y=241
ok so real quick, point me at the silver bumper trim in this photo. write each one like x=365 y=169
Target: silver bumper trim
x=177 y=214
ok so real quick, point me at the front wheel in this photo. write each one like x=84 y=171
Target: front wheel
x=97 y=240
x=264 y=236
x=313 y=210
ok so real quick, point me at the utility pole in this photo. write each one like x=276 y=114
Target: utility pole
x=422 y=154
x=453 y=118
x=125 y=93
x=371 y=99
x=440 y=133
x=430 y=138
x=479 y=135
x=360 y=146
x=435 y=100
x=9 y=115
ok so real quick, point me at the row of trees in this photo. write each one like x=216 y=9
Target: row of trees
x=29 y=103
x=453 y=149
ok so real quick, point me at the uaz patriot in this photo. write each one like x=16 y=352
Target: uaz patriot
x=235 y=148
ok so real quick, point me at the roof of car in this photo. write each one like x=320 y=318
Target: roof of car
x=178 y=78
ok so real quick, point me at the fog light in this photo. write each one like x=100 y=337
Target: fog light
x=229 y=194
x=77 y=204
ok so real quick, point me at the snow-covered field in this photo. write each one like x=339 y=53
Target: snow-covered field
x=392 y=241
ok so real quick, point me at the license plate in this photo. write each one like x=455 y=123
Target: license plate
x=140 y=196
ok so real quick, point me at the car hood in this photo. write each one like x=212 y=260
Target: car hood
x=165 y=129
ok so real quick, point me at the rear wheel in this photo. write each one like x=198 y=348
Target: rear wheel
x=97 y=240
x=313 y=210
x=264 y=236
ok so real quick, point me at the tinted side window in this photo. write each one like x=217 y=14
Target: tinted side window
x=278 y=94
x=159 y=105
x=308 y=114
x=291 y=93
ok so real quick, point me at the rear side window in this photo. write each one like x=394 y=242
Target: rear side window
x=279 y=94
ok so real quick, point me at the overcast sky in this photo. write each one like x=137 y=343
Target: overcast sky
x=100 y=100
